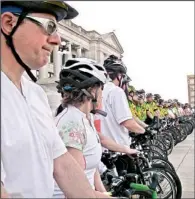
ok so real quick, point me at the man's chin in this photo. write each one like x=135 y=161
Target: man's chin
x=39 y=65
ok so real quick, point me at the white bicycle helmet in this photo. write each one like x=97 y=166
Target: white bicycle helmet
x=82 y=73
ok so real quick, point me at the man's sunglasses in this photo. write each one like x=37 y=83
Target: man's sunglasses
x=49 y=25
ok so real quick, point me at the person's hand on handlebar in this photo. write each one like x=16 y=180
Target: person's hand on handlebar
x=130 y=151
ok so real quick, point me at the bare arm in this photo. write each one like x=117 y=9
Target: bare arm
x=144 y=125
x=133 y=126
x=71 y=179
x=149 y=115
x=4 y=193
x=113 y=146
x=98 y=182
x=157 y=113
x=78 y=156
x=171 y=115
x=77 y=185
x=99 y=187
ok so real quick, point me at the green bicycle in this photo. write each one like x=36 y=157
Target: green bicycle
x=120 y=187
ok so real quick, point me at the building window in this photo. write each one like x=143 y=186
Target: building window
x=74 y=56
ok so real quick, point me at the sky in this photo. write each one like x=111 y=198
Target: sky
x=157 y=38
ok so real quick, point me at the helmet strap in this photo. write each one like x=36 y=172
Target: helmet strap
x=9 y=41
x=94 y=102
x=120 y=80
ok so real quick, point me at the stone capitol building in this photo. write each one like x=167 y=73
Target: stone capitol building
x=76 y=42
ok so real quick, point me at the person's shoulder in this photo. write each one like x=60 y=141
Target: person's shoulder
x=70 y=115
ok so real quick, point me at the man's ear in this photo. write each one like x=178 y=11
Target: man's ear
x=8 y=21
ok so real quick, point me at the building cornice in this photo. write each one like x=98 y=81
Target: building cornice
x=84 y=34
x=64 y=26
x=110 y=46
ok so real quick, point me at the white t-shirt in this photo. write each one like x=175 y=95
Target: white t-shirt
x=30 y=140
x=116 y=106
x=77 y=132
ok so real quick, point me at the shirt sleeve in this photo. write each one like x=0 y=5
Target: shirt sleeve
x=58 y=146
x=73 y=135
x=120 y=106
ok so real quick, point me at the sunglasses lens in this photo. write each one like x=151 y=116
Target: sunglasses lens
x=51 y=27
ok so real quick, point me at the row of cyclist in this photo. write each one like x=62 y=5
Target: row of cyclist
x=145 y=107
x=95 y=99
x=32 y=152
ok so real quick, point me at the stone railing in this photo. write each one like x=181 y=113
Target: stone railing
x=75 y=27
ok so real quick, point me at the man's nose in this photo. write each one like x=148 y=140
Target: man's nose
x=54 y=39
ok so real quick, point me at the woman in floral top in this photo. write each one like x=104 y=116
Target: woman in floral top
x=81 y=83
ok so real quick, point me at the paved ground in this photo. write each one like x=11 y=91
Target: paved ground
x=182 y=158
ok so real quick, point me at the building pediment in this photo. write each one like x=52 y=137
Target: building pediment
x=113 y=41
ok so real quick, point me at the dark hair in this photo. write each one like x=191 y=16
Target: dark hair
x=59 y=109
x=74 y=97
x=113 y=76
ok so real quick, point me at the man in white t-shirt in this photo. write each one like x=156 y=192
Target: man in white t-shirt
x=32 y=152
x=119 y=120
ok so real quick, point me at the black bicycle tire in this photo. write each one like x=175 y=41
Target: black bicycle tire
x=182 y=133
x=167 y=177
x=176 y=135
x=153 y=149
x=185 y=130
x=166 y=135
x=191 y=129
x=171 y=131
x=174 y=176
x=160 y=144
x=166 y=163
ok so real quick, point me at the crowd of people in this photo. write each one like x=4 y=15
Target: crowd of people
x=145 y=106
x=42 y=156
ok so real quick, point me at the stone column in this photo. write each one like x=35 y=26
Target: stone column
x=58 y=65
x=69 y=55
x=57 y=62
x=43 y=72
x=101 y=61
x=79 y=51
x=87 y=54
